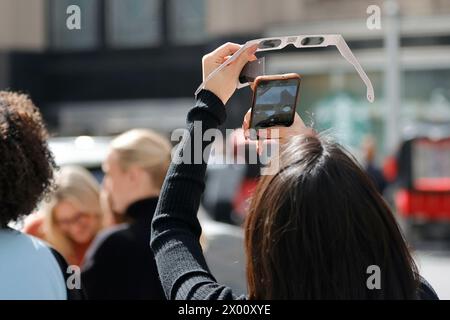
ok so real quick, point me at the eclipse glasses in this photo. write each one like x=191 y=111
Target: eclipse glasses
x=301 y=41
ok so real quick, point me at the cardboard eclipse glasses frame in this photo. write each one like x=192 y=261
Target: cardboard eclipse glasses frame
x=300 y=41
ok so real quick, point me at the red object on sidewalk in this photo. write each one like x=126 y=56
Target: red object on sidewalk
x=431 y=204
x=432 y=184
x=390 y=169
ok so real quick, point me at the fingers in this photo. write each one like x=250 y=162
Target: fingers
x=270 y=133
x=298 y=121
x=265 y=145
x=280 y=132
x=251 y=58
x=221 y=54
x=246 y=122
x=227 y=49
x=243 y=59
x=267 y=133
x=276 y=132
x=246 y=56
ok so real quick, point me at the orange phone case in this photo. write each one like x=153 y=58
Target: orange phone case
x=260 y=79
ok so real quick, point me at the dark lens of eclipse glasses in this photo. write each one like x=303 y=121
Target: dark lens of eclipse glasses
x=266 y=44
x=311 y=41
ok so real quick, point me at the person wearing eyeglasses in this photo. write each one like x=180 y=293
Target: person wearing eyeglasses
x=316 y=227
x=71 y=218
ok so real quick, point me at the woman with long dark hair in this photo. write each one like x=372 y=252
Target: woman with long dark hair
x=314 y=229
x=320 y=221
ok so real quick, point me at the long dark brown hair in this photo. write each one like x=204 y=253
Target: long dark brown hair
x=315 y=227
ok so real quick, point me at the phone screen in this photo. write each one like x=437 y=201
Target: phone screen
x=275 y=103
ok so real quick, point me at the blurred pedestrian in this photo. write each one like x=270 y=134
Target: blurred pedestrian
x=373 y=171
x=120 y=263
x=71 y=218
x=29 y=269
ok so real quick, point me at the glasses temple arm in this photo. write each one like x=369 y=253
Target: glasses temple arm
x=345 y=51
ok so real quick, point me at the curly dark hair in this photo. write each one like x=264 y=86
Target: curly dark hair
x=26 y=167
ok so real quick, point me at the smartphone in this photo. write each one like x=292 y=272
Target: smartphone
x=275 y=99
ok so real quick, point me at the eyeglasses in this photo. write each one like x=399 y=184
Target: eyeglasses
x=301 y=41
x=77 y=218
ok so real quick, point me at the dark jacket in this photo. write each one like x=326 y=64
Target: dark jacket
x=120 y=263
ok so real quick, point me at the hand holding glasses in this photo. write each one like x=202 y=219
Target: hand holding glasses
x=301 y=41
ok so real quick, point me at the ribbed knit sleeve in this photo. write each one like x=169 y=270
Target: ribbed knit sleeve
x=175 y=228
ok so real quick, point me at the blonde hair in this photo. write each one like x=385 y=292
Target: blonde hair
x=78 y=186
x=146 y=149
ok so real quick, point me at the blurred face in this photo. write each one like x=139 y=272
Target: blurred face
x=78 y=226
x=118 y=184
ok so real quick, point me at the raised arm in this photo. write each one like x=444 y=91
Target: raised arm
x=175 y=228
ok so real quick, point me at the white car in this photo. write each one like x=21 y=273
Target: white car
x=85 y=151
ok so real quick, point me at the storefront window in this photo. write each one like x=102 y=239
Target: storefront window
x=63 y=38
x=133 y=23
x=187 y=21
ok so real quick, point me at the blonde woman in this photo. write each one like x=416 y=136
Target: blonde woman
x=134 y=169
x=72 y=217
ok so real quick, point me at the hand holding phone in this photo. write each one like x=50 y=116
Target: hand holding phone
x=282 y=134
x=274 y=100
